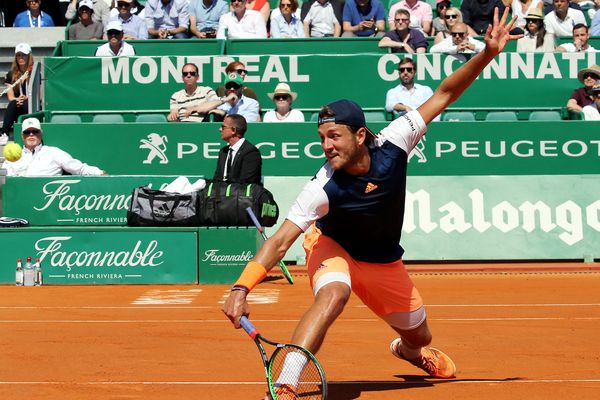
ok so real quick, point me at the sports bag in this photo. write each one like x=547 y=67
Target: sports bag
x=225 y=203
x=150 y=207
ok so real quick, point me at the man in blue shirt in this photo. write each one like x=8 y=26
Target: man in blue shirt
x=363 y=18
x=34 y=17
x=134 y=27
x=239 y=104
x=204 y=17
x=167 y=19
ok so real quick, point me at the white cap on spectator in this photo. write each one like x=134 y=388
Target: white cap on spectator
x=31 y=123
x=23 y=48
x=86 y=3
x=114 y=26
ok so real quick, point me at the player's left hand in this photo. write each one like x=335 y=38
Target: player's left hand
x=235 y=306
x=498 y=34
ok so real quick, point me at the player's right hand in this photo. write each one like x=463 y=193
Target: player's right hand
x=235 y=306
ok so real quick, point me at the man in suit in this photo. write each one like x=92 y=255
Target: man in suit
x=240 y=160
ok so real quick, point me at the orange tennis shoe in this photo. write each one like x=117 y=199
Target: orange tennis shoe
x=432 y=361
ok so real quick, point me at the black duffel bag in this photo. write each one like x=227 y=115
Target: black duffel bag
x=225 y=203
x=150 y=207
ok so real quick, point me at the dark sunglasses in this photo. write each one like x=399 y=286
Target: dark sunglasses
x=442 y=6
x=405 y=69
x=458 y=34
x=241 y=71
x=113 y=32
x=31 y=132
x=285 y=5
x=123 y=5
x=401 y=20
x=237 y=1
x=535 y=21
x=590 y=75
x=188 y=73
x=233 y=86
x=281 y=97
x=451 y=16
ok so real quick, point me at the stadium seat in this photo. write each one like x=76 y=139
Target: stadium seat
x=65 y=119
x=314 y=117
x=151 y=118
x=501 y=116
x=108 y=118
x=456 y=116
x=545 y=116
x=375 y=116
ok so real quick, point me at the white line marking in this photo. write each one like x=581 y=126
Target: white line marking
x=56 y=276
x=167 y=296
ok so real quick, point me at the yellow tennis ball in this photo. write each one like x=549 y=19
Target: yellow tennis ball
x=12 y=152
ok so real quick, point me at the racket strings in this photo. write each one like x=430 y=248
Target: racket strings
x=295 y=375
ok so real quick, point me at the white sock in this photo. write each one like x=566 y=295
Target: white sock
x=293 y=366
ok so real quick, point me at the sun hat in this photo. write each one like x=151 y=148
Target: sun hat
x=535 y=14
x=594 y=69
x=283 y=88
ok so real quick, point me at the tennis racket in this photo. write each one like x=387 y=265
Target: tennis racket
x=260 y=228
x=292 y=371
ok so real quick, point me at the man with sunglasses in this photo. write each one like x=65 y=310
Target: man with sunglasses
x=408 y=95
x=420 y=12
x=37 y=159
x=241 y=23
x=134 y=27
x=403 y=39
x=236 y=102
x=101 y=11
x=34 y=17
x=193 y=103
x=115 y=47
x=459 y=43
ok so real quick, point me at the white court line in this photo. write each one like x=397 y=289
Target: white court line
x=228 y=383
x=212 y=321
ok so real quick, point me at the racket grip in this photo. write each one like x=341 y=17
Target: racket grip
x=254 y=219
x=248 y=327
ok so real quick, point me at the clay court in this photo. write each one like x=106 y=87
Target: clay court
x=514 y=333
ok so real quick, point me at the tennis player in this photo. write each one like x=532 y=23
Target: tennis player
x=352 y=212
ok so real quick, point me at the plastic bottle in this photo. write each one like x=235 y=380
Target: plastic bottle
x=28 y=273
x=19 y=273
x=38 y=280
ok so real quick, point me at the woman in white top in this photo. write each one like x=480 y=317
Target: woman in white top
x=536 y=39
x=283 y=112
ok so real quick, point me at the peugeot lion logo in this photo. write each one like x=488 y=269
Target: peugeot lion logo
x=156 y=145
x=419 y=151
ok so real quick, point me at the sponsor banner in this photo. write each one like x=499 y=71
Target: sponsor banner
x=224 y=252
x=146 y=83
x=293 y=149
x=103 y=256
x=75 y=200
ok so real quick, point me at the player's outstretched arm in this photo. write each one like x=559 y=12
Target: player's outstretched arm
x=496 y=38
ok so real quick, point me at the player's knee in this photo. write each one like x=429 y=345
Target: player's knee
x=333 y=297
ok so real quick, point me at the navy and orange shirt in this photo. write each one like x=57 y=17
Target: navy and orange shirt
x=364 y=213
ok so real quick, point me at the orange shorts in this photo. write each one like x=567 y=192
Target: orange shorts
x=385 y=288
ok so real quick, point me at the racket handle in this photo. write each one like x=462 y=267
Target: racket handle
x=254 y=219
x=248 y=327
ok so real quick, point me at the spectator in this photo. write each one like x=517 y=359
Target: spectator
x=238 y=104
x=591 y=112
x=580 y=43
x=283 y=97
x=34 y=17
x=17 y=80
x=521 y=8
x=408 y=95
x=286 y=23
x=338 y=8
x=459 y=44
x=239 y=68
x=86 y=28
x=193 y=103
x=320 y=21
x=363 y=18
x=561 y=21
x=101 y=11
x=451 y=17
x=134 y=27
x=241 y=23
x=419 y=11
x=439 y=24
x=48 y=160
x=262 y=6
x=204 y=17
x=595 y=25
x=479 y=14
x=167 y=19
x=115 y=47
x=240 y=160
x=582 y=97
x=536 y=39
x=404 y=39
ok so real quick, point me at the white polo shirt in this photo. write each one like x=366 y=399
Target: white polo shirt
x=321 y=19
x=125 y=50
x=564 y=27
x=251 y=26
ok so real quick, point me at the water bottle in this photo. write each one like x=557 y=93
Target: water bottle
x=28 y=273
x=37 y=273
x=19 y=273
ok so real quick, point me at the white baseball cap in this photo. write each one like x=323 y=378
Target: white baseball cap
x=30 y=123
x=114 y=26
x=23 y=48
x=86 y=3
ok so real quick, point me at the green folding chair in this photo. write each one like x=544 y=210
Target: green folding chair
x=458 y=116
x=501 y=116
x=108 y=119
x=150 y=118
x=545 y=116
x=65 y=119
